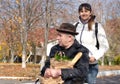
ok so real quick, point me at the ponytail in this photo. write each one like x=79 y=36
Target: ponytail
x=90 y=22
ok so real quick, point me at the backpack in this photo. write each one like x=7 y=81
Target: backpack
x=96 y=32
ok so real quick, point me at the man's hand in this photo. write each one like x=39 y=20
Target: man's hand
x=54 y=73
x=47 y=73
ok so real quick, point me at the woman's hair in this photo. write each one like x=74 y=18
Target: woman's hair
x=87 y=6
x=90 y=22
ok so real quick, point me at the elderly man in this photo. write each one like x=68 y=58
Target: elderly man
x=70 y=47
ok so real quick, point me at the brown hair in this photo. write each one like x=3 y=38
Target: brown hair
x=87 y=6
x=90 y=22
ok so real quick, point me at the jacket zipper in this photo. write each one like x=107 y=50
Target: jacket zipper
x=81 y=34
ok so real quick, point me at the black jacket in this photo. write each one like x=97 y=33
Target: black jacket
x=80 y=70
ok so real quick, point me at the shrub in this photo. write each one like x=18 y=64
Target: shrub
x=106 y=60
x=117 y=60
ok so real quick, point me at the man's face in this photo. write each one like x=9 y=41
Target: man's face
x=62 y=39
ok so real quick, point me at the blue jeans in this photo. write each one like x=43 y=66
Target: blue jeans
x=93 y=71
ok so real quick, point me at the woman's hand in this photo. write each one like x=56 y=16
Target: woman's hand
x=92 y=59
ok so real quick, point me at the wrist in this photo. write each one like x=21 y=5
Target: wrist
x=59 y=72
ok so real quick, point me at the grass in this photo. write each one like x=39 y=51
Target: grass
x=32 y=70
x=16 y=70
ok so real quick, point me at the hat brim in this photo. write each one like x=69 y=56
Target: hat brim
x=66 y=31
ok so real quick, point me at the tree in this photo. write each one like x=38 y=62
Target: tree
x=26 y=15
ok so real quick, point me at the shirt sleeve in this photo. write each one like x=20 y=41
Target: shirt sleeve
x=80 y=69
x=47 y=62
x=103 y=42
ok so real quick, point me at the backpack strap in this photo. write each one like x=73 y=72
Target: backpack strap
x=76 y=24
x=96 y=32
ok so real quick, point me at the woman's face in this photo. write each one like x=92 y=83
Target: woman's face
x=84 y=14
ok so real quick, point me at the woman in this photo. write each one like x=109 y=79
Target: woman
x=87 y=37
